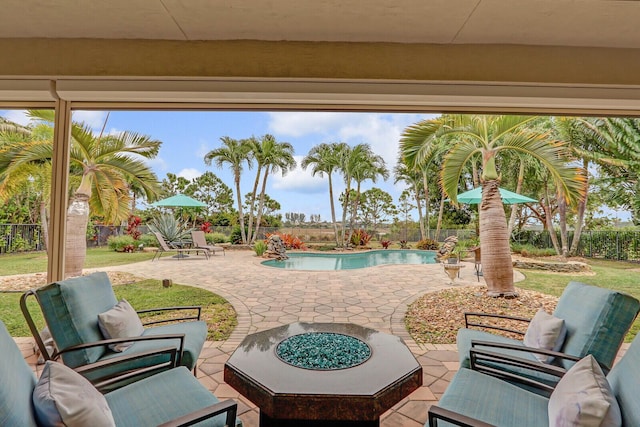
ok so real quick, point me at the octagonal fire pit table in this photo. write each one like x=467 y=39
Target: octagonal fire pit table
x=323 y=374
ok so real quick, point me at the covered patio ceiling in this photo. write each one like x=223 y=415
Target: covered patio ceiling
x=410 y=55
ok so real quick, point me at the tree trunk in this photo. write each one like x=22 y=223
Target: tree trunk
x=243 y=233
x=44 y=221
x=420 y=216
x=512 y=216
x=427 y=201
x=440 y=214
x=345 y=208
x=260 y=205
x=548 y=224
x=354 y=211
x=250 y=236
x=333 y=209
x=582 y=207
x=562 y=213
x=76 y=238
x=497 y=266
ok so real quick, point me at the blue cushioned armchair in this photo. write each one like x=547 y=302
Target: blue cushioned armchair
x=70 y=309
x=596 y=319
x=173 y=397
x=476 y=399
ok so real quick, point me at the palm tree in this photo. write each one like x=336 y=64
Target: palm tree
x=326 y=159
x=360 y=164
x=275 y=157
x=487 y=136
x=234 y=152
x=103 y=165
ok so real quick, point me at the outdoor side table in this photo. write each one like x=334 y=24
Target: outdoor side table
x=288 y=395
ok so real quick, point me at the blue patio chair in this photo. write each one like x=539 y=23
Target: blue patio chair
x=596 y=321
x=476 y=399
x=173 y=397
x=70 y=309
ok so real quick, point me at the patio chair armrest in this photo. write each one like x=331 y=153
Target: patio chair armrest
x=506 y=346
x=185 y=307
x=180 y=337
x=228 y=406
x=107 y=381
x=437 y=413
x=470 y=323
x=490 y=362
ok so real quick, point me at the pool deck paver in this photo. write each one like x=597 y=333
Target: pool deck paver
x=266 y=297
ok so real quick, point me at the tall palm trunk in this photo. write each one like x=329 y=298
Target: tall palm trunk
x=345 y=208
x=582 y=207
x=260 y=205
x=76 y=238
x=333 y=209
x=494 y=242
x=250 y=236
x=419 y=206
x=440 y=214
x=514 y=208
x=427 y=202
x=44 y=221
x=562 y=217
x=243 y=233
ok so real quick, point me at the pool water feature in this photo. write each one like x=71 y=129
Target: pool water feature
x=350 y=261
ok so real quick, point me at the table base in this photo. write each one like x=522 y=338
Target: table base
x=267 y=421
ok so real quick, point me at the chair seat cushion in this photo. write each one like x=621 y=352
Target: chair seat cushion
x=195 y=335
x=493 y=401
x=153 y=400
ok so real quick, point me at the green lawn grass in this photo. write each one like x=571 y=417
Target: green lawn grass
x=616 y=275
x=36 y=262
x=216 y=311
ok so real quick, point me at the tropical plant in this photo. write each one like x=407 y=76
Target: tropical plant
x=360 y=237
x=289 y=240
x=170 y=228
x=260 y=247
x=386 y=243
x=121 y=243
x=215 y=238
x=427 y=244
x=104 y=166
x=132 y=227
x=326 y=159
x=484 y=137
x=234 y=153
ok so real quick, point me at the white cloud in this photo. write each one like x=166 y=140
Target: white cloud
x=299 y=180
x=18 y=116
x=203 y=149
x=158 y=163
x=189 y=173
x=304 y=123
x=95 y=119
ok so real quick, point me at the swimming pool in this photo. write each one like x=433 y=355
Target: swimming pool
x=350 y=261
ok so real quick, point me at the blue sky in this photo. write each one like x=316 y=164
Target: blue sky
x=188 y=136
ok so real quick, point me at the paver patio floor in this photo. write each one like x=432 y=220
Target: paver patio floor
x=266 y=297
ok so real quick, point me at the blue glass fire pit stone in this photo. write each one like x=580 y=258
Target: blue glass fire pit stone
x=323 y=351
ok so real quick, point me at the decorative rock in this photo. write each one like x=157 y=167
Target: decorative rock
x=275 y=248
x=447 y=248
x=558 y=267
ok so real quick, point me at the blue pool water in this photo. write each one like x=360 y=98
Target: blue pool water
x=350 y=261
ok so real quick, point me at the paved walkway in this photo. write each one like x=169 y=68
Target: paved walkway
x=267 y=297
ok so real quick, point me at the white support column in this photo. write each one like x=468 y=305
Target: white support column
x=59 y=189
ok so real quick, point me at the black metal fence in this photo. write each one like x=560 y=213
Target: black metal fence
x=615 y=245
x=20 y=238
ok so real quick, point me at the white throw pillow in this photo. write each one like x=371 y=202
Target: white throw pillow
x=546 y=332
x=121 y=321
x=584 y=398
x=63 y=397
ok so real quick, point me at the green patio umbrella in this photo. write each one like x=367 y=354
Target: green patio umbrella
x=179 y=200
x=473 y=197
